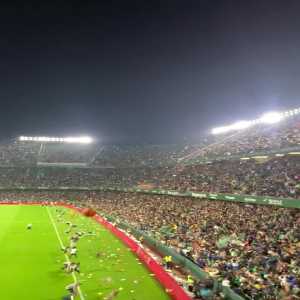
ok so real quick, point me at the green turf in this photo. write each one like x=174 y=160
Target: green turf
x=31 y=260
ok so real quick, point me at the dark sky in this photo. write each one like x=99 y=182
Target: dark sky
x=145 y=71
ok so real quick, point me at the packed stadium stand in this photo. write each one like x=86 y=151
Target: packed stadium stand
x=253 y=249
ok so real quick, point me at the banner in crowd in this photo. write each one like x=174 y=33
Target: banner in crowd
x=264 y=200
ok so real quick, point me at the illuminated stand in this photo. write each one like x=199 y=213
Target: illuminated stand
x=44 y=141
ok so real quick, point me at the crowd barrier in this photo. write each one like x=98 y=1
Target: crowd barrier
x=178 y=259
x=175 y=291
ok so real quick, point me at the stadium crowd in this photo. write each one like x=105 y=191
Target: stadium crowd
x=278 y=176
x=275 y=177
x=255 y=250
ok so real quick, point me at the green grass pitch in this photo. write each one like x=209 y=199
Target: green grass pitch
x=31 y=261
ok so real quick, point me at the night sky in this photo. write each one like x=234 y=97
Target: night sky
x=145 y=71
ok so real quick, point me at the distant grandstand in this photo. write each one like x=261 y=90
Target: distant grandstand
x=260 y=160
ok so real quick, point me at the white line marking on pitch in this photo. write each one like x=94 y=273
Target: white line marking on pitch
x=62 y=246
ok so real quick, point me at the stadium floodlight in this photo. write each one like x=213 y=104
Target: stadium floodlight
x=74 y=140
x=80 y=140
x=271 y=117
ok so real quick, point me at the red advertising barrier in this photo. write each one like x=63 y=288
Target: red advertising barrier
x=174 y=290
x=168 y=282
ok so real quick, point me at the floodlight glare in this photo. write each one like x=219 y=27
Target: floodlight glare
x=271 y=117
x=240 y=125
x=236 y=126
x=219 y=130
